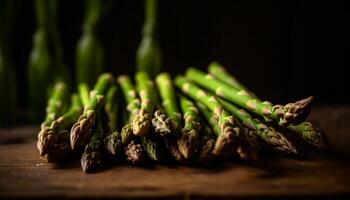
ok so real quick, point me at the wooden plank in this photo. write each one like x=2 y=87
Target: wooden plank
x=23 y=174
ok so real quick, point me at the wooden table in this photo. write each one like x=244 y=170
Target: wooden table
x=312 y=174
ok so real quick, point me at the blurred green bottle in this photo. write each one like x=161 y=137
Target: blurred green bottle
x=45 y=65
x=148 y=55
x=89 y=52
x=7 y=72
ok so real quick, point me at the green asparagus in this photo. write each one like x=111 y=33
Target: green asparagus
x=54 y=139
x=230 y=139
x=188 y=141
x=266 y=133
x=142 y=121
x=167 y=93
x=81 y=130
x=92 y=156
x=307 y=130
x=291 y=113
x=113 y=141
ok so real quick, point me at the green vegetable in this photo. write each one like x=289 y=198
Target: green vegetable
x=291 y=113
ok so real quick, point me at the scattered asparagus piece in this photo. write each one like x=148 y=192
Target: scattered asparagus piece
x=142 y=122
x=148 y=55
x=92 y=156
x=81 y=130
x=134 y=153
x=225 y=126
x=188 y=142
x=291 y=113
x=54 y=140
x=307 y=130
x=268 y=134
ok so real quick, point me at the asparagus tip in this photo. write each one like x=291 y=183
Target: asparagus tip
x=141 y=123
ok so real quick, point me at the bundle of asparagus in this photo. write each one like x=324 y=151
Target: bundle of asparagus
x=211 y=115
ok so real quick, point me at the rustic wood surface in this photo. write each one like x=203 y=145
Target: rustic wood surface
x=311 y=174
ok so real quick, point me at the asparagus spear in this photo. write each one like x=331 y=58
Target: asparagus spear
x=206 y=145
x=134 y=153
x=291 y=113
x=54 y=109
x=161 y=122
x=149 y=143
x=148 y=55
x=225 y=126
x=142 y=121
x=56 y=104
x=242 y=150
x=221 y=74
x=268 y=134
x=84 y=92
x=53 y=140
x=133 y=106
x=188 y=142
x=81 y=130
x=307 y=130
x=167 y=93
x=113 y=141
x=92 y=156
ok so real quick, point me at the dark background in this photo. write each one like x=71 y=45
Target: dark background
x=282 y=51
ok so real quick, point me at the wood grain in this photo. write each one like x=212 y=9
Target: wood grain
x=312 y=174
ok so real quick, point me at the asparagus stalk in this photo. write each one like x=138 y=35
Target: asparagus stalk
x=244 y=151
x=81 y=130
x=56 y=103
x=53 y=140
x=84 y=92
x=277 y=140
x=206 y=147
x=307 y=130
x=148 y=55
x=291 y=113
x=55 y=108
x=167 y=93
x=133 y=106
x=142 y=121
x=225 y=126
x=92 y=156
x=223 y=75
x=149 y=143
x=188 y=142
x=113 y=141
